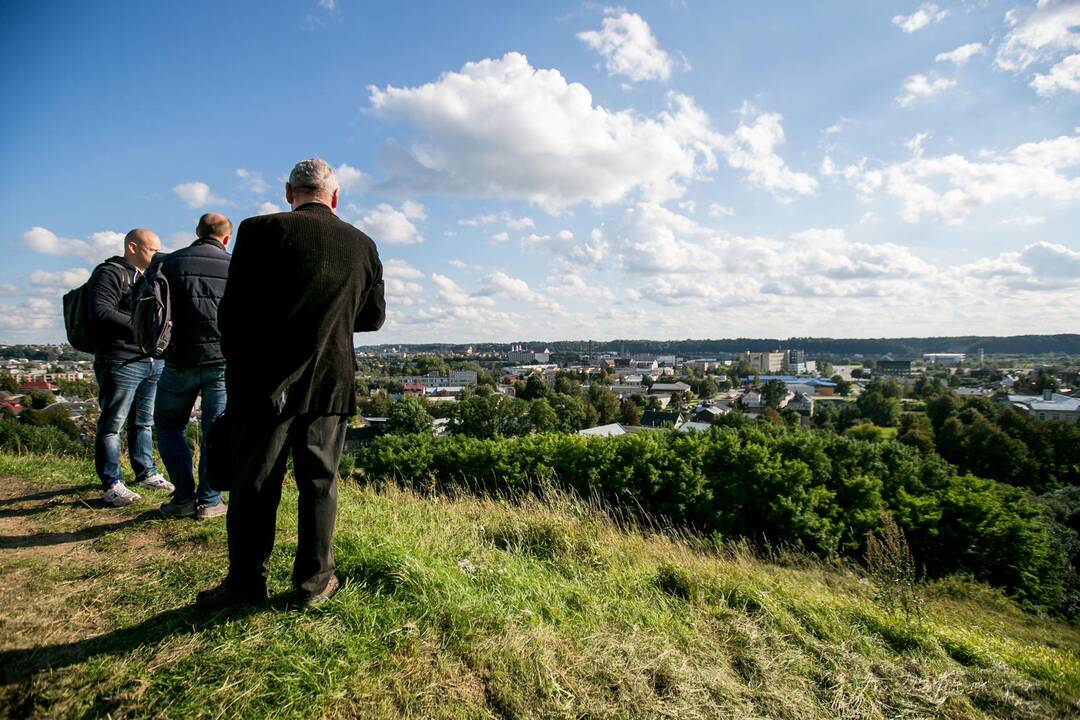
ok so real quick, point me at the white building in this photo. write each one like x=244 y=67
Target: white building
x=1048 y=406
x=943 y=358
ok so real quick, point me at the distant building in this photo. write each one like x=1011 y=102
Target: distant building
x=766 y=362
x=1048 y=406
x=943 y=358
x=656 y=418
x=521 y=356
x=893 y=368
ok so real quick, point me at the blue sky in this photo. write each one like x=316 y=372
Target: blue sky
x=573 y=170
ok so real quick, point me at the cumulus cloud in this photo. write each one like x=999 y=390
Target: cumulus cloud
x=572 y=285
x=927 y=13
x=94 y=248
x=252 y=181
x=1040 y=266
x=717 y=210
x=64 y=278
x=500 y=237
x=350 y=179
x=918 y=87
x=752 y=148
x=392 y=225
x=567 y=250
x=401 y=270
x=269 y=208
x=196 y=195
x=962 y=54
x=1041 y=33
x=502 y=128
x=30 y=317
x=499 y=283
x=520 y=223
x=1063 y=77
x=450 y=293
x=951 y=187
x=629 y=48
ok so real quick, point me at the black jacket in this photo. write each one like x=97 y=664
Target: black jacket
x=300 y=283
x=196 y=276
x=110 y=309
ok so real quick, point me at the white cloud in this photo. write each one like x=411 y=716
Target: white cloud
x=629 y=48
x=568 y=251
x=64 y=278
x=385 y=224
x=1063 y=77
x=1023 y=220
x=196 y=195
x=500 y=237
x=350 y=179
x=915 y=143
x=950 y=187
x=269 y=208
x=252 y=181
x=401 y=270
x=328 y=5
x=717 y=210
x=926 y=14
x=95 y=248
x=920 y=86
x=478 y=220
x=962 y=54
x=1041 y=266
x=573 y=285
x=752 y=147
x=1039 y=34
x=504 y=129
x=30 y=317
x=450 y=293
x=8 y=289
x=520 y=223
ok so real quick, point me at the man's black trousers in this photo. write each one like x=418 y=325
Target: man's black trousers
x=260 y=449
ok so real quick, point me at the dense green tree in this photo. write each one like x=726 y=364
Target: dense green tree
x=630 y=412
x=409 y=414
x=843 y=387
x=774 y=392
x=916 y=431
x=536 y=386
x=605 y=403
x=430 y=365
x=543 y=417
x=375 y=405
x=570 y=412
x=7 y=383
x=40 y=399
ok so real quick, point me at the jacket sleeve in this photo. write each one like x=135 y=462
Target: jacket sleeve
x=373 y=310
x=107 y=290
x=230 y=306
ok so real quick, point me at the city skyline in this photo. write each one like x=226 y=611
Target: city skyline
x=575 y=170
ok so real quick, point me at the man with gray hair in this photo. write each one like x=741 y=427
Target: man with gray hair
x=300 y=284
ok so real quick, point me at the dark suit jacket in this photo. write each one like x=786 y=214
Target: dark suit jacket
x=300 y=283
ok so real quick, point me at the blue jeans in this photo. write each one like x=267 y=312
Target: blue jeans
x=125 y=393
x=177 y=391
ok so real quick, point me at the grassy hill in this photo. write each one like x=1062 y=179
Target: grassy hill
x=471 y=608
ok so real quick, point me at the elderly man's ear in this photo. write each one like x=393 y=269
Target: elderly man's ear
x=333 y=200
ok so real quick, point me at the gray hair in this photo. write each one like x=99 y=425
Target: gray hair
x=313 y=175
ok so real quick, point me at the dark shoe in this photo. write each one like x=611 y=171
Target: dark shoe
x=309 y=601
x=173 y=509
x=223 y=597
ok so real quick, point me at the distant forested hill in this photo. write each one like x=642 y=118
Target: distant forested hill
x=897 y=347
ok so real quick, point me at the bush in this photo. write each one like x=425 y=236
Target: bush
x=815 y=492
x=44 y=439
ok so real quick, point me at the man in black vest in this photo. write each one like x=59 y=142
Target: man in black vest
x=300 y=284
x=127 y=382
x=194 y=365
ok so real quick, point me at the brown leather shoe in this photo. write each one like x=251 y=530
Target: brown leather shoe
x=309 y=601
x=222 y=597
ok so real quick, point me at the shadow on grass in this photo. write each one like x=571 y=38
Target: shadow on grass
x=20 y=665
x=42 y=539
x=48 y=494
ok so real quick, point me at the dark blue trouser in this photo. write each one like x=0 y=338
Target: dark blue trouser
x=177 y=390
x=125 y=393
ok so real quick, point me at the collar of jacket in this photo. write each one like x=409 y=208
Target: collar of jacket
x=209 y=241
x=313 y=207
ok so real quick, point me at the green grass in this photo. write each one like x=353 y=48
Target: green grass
x=475 y=608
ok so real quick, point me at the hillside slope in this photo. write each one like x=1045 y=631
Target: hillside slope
x=469 y=608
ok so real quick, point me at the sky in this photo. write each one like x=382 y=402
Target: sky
x=567 y=170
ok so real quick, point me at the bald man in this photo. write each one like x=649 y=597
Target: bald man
x=127 y=382
x=194 y=364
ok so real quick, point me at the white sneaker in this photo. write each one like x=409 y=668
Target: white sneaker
x=156 y=482
x=119 y=495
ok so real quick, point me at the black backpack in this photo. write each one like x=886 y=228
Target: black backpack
x=78 y=320
x=151 y=313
